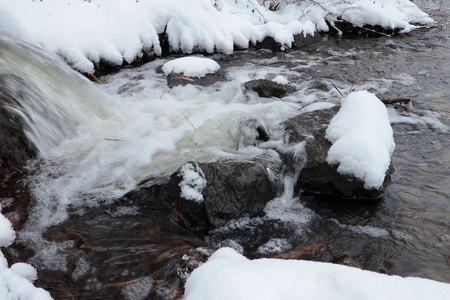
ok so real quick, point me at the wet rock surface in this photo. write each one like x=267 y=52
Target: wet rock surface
x=174 y=79
x=317 y=175
x=233 y=190
x=268 y=88
x=15 y=148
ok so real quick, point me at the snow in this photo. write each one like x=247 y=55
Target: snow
x=362 y=139
x=229 y=275
x=117 y=31
x=191 y=66
x=25 y=270
x=15 y=282
x=193 y=182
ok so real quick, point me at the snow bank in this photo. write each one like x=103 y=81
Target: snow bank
x=229 y=275
x=362 y=139
x=84 y=32
x=15 y=282
x=191 y=66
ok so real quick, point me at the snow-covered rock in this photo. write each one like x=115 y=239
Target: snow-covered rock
x=362 y=139
x=191 y=66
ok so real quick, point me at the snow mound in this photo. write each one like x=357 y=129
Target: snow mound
x=15 y=282
x=7 y=234
x=25 y=270
x=362 y=139
x=229 y=275
x=191 y=66
x=117 y=31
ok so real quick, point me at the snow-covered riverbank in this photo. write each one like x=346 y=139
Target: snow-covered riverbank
x=85 y=32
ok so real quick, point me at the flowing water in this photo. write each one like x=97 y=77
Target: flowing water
x=98 y=141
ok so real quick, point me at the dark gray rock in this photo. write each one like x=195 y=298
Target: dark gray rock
x=235 y=189
x=174 y=80
x=15 y=148
x=317 y=175
x=268 y=88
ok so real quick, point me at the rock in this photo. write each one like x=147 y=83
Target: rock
x=15 y=148
x=301 y=41
x=235 y=190
x=317 y=175
x=232 y=190
x=174 y=80
x=268 y=88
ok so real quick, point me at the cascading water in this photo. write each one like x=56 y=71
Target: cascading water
x=51 y=99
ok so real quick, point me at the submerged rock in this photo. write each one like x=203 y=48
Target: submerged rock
x=268 y=88
x=317 y=175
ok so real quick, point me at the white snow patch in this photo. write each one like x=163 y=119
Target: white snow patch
x=193 y=182
x=25 y=270
x=229 y=275
x=15 y=282
x=191 y=66
x=7 y=234
x=362 y=139
x=280 y=79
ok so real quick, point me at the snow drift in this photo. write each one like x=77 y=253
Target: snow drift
x=229 y=275
x=117 y=31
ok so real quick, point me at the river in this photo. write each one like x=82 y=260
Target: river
x=133 y=127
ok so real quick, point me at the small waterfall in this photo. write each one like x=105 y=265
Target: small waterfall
x=50 y=98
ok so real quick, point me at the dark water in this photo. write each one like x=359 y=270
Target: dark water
x=406 y=233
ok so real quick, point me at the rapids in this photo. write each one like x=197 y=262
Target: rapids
x=96 y=142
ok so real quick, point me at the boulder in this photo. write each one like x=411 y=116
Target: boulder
x=206 y=195
x=317 y=175
x=174 y=80
x=268 y=88
x=15 y=147
x=235 y=190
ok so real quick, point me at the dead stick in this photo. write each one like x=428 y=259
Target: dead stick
x=337 y=89
x=188 y=120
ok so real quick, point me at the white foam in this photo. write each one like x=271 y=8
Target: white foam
x=274 y=246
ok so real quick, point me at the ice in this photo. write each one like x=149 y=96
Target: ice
x=191 y=66
x=229 y=275
x=362 y=139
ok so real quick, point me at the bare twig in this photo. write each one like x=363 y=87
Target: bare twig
x=188 y=120
x=337 y=89
x=95 y=78
x=114 y=140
